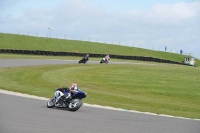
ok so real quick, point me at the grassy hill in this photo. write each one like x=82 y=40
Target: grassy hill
x=160 y=88
x=13 y=41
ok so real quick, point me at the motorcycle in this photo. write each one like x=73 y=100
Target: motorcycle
x=73 y=104
x=83 y=60
x=104 y=60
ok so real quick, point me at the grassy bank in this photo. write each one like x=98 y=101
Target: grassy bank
x=172 y=89
x=13 y=41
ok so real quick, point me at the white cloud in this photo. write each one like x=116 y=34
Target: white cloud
x=173 y=14
x=174 y=25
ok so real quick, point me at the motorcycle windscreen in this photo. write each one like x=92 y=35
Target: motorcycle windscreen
x=79 y=94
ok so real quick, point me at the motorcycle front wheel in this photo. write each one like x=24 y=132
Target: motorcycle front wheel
x=51 y=102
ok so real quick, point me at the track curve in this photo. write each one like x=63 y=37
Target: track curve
x=30 y=115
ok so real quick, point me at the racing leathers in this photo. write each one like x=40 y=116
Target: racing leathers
x=61 y=92
x=86 y=57
x=107 y=58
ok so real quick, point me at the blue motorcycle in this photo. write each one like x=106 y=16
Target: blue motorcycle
x=73 y=104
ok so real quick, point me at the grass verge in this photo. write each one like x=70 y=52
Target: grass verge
x=171 y=89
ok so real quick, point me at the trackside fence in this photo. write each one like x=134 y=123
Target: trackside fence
x=60 y=53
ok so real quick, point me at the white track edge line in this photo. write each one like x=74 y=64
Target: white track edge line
x=93 y=105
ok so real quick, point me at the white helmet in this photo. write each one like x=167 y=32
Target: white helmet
x=73 y=86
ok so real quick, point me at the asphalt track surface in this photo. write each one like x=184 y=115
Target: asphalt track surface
x=30 y=115
x=28 y=62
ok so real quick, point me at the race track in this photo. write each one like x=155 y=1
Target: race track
x=30 y=115
x=28 y=62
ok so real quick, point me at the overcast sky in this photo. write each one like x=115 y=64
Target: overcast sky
x=151 y=24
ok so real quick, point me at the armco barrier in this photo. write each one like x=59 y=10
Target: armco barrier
x=54 y=53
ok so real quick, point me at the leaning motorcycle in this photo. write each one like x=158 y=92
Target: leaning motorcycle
x=73 y=104
x=83 y=60
x=104 y=60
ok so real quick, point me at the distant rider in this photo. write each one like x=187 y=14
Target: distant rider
x=107 y=57
x=65 y=91
x=86 y=57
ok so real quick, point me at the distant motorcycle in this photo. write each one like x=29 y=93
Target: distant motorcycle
x=104 y=60
x=73 y=104
x=83 y=60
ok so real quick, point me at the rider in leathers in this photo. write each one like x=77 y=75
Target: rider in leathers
x=59 y=93
x=86 y=57
x=107 y=57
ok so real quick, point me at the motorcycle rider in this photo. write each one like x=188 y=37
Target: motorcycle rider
x=107 y=57
x=86 y=57
x=60 y=93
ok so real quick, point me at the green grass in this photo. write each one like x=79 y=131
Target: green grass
x=170 y=89
x=13 y=41
x=161 y=88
